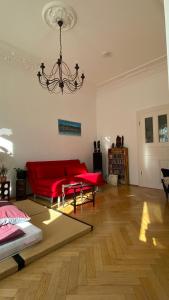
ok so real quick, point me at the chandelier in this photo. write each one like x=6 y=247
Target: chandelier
x=60 y=78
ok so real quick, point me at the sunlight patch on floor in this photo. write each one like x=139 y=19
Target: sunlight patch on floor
x=52 y=217
x=150 y=216
x=145 y=220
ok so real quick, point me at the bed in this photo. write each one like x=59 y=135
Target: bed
x=16 y=231
x=33 y=235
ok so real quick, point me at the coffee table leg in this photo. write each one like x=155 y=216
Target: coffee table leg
x=63 y=195
x=74 y=201
x=94 y=193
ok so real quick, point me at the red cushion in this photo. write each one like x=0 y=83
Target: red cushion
x=50 y=171
x=11 y=214
x=76 y=169
x=92 y=178
x=9 y=233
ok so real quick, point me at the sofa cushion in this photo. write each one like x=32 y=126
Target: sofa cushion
x=50 y=171
x=76 y=169
x=91 y=178
x=51 y=184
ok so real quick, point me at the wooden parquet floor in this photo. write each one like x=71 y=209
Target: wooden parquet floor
x=125 y=257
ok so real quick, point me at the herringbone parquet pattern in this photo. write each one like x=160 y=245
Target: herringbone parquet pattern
x=126 y=257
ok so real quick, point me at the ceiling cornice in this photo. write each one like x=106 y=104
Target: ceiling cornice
x=21 y=59
x=150 y=66
x=17 y=57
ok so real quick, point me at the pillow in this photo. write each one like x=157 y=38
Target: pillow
x=9 y=233
x=9 y=213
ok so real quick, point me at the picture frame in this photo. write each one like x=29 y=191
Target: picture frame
x=66 y=127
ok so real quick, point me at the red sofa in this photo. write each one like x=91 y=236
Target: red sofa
x=47 y=177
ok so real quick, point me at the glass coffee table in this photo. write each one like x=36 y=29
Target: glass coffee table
x=78 y=189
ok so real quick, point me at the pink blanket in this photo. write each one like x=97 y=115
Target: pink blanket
x=9 y=233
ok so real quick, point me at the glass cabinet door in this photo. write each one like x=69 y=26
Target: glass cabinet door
x=149 y=138
x=162 y=129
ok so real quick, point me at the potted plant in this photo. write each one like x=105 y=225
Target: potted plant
x=20 y=173
x=3 y=173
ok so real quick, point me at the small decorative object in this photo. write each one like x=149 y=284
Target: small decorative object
x=98 y=146
x=122 y=141
x=20 y=173
x=69 y=127
x=60 y=79
x=95 y=147
x=118 y=141
x=112 y=145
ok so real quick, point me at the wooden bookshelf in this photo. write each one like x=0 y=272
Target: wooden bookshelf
x=118 y=164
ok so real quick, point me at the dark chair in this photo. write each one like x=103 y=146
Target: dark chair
x=165 y=173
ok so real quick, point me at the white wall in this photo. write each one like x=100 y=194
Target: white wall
x=166 y=10
x=116 y=110
x=32 y=114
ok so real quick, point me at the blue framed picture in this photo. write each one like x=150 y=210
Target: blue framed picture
x=69 y=127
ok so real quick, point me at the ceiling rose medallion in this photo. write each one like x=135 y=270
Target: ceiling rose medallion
x=55 y=11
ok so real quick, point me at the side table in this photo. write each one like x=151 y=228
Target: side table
x=78 y=189
x=20 y=189
x=5 y=190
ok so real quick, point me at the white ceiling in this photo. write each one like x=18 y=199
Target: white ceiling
x=133 y=30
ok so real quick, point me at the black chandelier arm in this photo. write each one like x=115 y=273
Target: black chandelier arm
x=52 y=87
x=54 y=70
x=78 y=79
x=47 y=82
x=72 y=82
x=72 y=85
x=70 y=78
x=53 y=82
x=67 y=72
x=43 y=84
x=52 y=73
x=70 y=88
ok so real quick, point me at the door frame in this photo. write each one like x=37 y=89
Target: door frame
x=151 y=111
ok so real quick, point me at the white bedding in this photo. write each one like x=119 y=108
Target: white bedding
x=32 y=235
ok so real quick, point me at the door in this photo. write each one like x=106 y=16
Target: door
x=153 y=145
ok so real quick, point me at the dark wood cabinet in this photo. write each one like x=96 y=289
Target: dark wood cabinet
x=118 y=164
x=20 y=189
x=97 y=162
x=5 y=190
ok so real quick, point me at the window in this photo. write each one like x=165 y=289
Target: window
x=149 y=130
